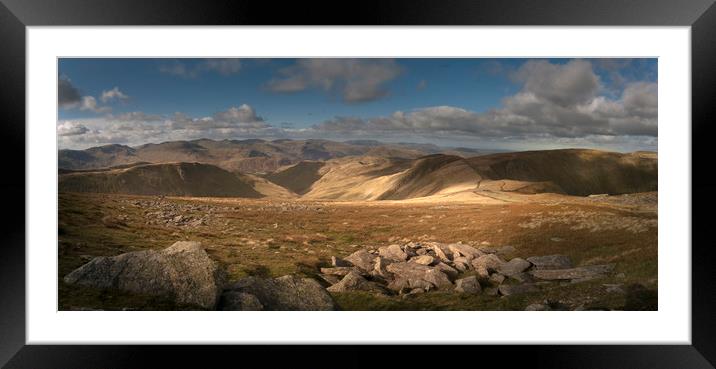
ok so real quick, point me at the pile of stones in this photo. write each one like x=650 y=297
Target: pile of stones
x=418 y=267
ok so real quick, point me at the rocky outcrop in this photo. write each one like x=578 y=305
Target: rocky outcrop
x=550 y=262
x=283 y=293
x=412 y=268
x=182 y=272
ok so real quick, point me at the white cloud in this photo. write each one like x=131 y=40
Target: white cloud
x=113 y=94
x=90 y=103
x=354 y=80
x=566 y=85
x=69 y=128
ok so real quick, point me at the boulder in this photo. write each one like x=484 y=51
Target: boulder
x=415 y=275
x=355 y=282
x=393 y=252
x=330 y=278
x=239 y=301
x=338 y=262
x=340 y=271
x=579 y=273
x=466 y=251
x=182 y=272
x=468 y=285
x=482 y=272
x=424 y=259
x=550 y=262
x=514 y=266
x=496 y=279
x=379 y=268
x=515 y=289
x=461 y=266
x=286 y=293
x=362 y=259
x=490 y=262
x=522 y=277
x=447 y=269
x=442 y=251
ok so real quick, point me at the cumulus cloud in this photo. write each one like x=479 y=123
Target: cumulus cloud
x=69 y=128
x=113 y=94
x=224 y=67
x=135 y=128
x=556 y=100
x=67 y=94
x=89 y=103
x=565 y=85
x=354 y=80
x=69 y=97
x=135 y=116
x=561 y=105
x=243 y=118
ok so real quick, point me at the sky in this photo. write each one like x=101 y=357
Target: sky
x=509 y=104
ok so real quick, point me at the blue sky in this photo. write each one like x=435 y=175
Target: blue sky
x=510 y=103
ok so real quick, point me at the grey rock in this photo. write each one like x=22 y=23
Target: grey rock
x=496 y=279
x=490 y=262
x=331 y=279
x=442 y=251
x=182 y=272
x=424 y=260
x=467 y=251
x=338 y=262
x=447 y=269
x=461 y=265
x=379 y=268
x=362 y=259
x=550 y=262
x=393 y=252
x=468 y=285
x=522 y=277
x=355 y=282
x=416 y=275
x=491 y=291
x=340 y=271
x=287 y=293
x=487 y=250
x=239 y=301
x=515 y=289
x=514 y=266
x=579 y=273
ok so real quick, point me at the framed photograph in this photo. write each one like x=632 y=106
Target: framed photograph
x=411 y=173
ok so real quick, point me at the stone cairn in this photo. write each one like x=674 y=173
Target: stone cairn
x=417 y=267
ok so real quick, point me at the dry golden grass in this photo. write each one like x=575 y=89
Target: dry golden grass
x=277 y=237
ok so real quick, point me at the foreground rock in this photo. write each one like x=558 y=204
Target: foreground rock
x=468 y=285
x=550 y=262
x=362 y=259
x=414 y=275
x=355 y=282
x=283 y=293
x=182 y=272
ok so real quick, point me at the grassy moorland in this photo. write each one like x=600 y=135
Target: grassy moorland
x=277 y=237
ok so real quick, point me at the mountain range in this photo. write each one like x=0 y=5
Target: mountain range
x=354 y=170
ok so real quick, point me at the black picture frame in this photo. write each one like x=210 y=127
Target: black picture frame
x=16 y=15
